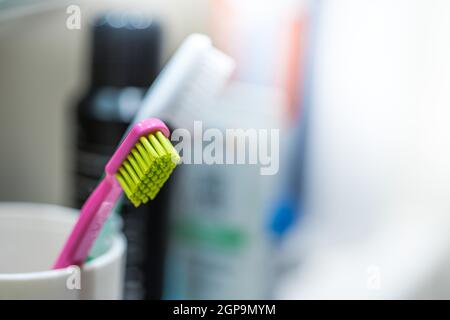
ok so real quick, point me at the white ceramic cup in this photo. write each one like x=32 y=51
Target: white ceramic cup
x=31 y=236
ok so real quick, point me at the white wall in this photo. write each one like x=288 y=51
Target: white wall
x=381 y=111
x=378 y=178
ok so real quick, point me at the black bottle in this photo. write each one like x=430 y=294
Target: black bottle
x=125 y=59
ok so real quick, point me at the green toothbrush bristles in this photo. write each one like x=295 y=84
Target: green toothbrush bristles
x=147 y=167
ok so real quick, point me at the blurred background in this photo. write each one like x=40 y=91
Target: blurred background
x=359 y=90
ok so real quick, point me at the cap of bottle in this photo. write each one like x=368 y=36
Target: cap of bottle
x=125 y=50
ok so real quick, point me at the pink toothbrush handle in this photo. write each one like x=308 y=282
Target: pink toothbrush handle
x=102 y=200
x=93 y=214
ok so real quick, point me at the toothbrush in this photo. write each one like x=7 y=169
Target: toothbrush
x=289 y=207
x=194 y=76
x=139 y=167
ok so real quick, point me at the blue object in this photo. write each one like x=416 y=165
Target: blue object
x=289 y=206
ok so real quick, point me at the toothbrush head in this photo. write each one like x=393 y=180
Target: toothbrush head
x=194 y=76
x=144 y=161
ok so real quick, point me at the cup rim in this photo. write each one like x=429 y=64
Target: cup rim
x=118 y=245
